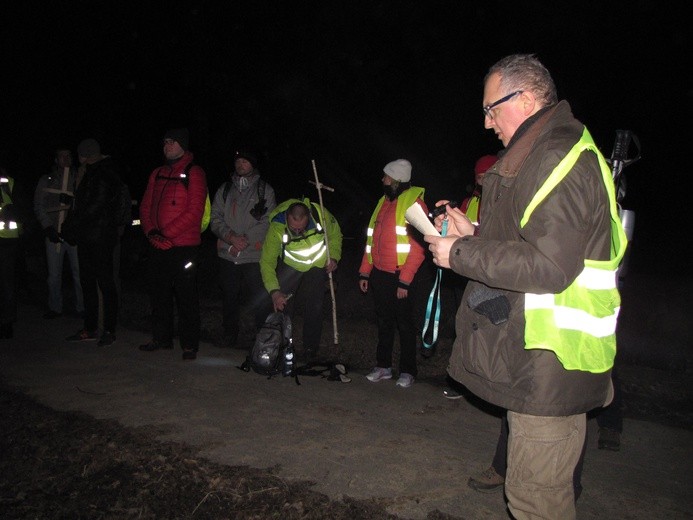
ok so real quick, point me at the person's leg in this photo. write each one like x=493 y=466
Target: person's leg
x=289 y=283
x=407 y=334
x=542 y=455
x=73 y=257
x=610 y=419
x=54 y=264
x=313 y=285
x=229 y=277
x=256 y=293
x=90 y=289
x=383 y=286
x=109 y=292
x=187 y=297
x=161 y=275
x=500 y=458
x=8 y=301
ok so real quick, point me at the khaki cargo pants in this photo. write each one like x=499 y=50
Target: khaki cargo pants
x=542 y=454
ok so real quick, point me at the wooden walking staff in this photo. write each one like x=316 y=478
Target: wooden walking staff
x=320 y=187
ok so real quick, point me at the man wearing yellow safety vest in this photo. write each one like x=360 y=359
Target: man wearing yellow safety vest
x=10 y=229
x=295 y=255
x=536 y=330
x=390 y=262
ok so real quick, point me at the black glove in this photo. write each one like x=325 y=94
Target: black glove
x=491 y=303
x=155 y=233
x=66 y=199
x=52 y=234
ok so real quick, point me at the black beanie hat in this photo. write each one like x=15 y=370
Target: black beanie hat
x=89 y=148
x=180 y=135
x=247 y=155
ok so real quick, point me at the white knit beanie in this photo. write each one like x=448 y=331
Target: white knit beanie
x=400 y=170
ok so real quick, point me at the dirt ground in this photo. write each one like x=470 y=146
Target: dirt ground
x=60 y=463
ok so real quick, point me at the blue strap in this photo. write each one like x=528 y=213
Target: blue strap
x=434 y=296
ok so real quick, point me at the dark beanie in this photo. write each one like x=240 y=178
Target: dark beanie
x=247 y=155
x=180 y=135
x=89 y=148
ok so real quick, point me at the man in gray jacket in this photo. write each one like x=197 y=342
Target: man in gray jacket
x=52 y=200
x=239 y=219
x=536 y=329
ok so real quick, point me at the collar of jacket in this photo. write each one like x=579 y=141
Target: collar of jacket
x=513 y=157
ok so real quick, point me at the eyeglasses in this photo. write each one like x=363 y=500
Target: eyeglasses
x=487 y=108
x=169 y=142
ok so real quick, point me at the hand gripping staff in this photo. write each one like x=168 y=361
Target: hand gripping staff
x=320 y=186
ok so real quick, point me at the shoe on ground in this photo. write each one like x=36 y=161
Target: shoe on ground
x=378 y=374
x=154 y=345
x=405 y=380
x=609 y=439
x=50 y=315
x=488 y=481
x=83 y=335
x=189 y=353
x=107 y=339
x=451 y=393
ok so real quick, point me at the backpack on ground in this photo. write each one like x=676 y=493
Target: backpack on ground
x=268 y=356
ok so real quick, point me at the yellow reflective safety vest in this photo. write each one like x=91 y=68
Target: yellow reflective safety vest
x=9 y=227
x=404 y=201
x=473 y=209
x=579 y=324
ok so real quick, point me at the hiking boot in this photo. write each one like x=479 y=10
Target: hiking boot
x=83 y=335
x=405 y=380
x=107 y=339
x=487 y=481
x=609 y=439
x=379 y=374
x=154 y=345
x=52 y=315
x=189 y=353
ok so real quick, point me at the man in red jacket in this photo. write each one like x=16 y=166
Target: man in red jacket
x=171 y=216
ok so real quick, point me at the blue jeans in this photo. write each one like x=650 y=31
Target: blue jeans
x=55 y=256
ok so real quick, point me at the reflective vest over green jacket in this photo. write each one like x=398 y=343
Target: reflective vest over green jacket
x=579 y=324
x=301 y=253
x=404 y=201
x=9 y=226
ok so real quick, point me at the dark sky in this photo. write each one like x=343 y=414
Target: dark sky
x=352 y=85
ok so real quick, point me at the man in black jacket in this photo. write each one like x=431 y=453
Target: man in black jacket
x=92 y=226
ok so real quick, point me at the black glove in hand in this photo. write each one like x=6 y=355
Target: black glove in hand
x=491 y=303
x=66 y=199
x=52 y=234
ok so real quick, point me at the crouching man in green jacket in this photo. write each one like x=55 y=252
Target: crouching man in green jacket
x=295 y=255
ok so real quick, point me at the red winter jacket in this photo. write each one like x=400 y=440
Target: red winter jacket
x=171 y=208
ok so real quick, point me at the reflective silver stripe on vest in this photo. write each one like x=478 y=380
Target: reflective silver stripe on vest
x=577 y=319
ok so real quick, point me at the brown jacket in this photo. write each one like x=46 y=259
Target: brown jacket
x=571 y=224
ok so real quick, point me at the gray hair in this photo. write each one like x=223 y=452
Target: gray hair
x=525 y=72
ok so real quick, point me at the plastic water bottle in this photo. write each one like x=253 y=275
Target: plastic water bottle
x=288 y=359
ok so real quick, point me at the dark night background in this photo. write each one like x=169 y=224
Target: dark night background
x=351 y=85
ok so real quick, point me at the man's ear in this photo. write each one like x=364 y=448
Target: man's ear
x=529 y=103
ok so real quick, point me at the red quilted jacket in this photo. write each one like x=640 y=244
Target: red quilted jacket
x=170 y=207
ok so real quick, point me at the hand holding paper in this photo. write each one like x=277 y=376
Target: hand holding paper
x=416 y=217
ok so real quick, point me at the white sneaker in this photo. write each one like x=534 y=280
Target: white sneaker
x=379 y=374
x=405 y=380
